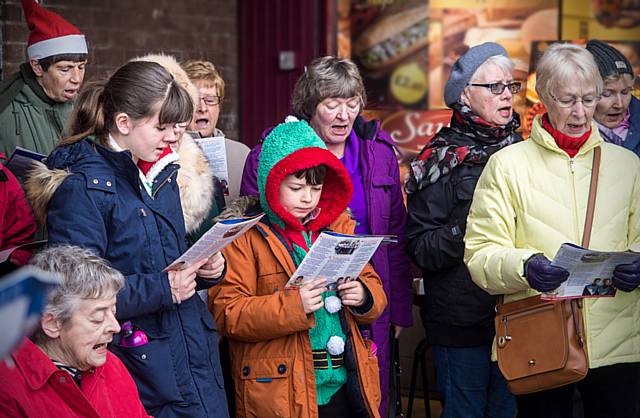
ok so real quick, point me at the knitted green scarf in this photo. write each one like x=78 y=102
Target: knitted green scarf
x=329 y=380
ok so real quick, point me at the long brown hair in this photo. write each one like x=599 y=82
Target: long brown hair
x=135 y=89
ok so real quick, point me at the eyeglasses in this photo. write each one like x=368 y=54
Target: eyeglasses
x=211 y=100
x=498 y=88
x=569 y=101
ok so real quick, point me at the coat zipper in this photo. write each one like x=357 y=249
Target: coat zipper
x=166 y=180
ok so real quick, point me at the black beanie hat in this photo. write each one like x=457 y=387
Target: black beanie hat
x=610 y=61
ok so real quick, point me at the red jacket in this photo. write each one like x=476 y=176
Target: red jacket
x=17 y=226
x=35 y=387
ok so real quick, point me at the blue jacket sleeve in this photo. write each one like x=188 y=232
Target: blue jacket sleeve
x=76 y=216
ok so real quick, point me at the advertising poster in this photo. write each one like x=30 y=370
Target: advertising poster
x=601 y=19
x=389 y=42
x=405 y=50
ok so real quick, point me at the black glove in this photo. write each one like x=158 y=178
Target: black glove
x=541 y=275
x=626 y=277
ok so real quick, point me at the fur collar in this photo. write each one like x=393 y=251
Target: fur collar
x=195 y=181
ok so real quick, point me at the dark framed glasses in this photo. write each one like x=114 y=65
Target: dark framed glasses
x=211 y=100
x=498 y=88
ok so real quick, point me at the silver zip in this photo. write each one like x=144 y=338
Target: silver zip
x=167 y=179
x=572 y=164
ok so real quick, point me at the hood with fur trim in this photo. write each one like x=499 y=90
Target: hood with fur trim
x=195 y=181
x=171 y=64
x=43 y=180
x=291 y=147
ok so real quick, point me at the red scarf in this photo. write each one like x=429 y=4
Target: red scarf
x=569 y=144
x=145 y=166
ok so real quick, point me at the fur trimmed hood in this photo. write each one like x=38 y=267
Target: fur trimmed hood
x=171 y=64
x=40 y=186
x=195 y=181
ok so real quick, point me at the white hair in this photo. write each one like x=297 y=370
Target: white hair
x=84 y=276
x=566 y=65
x=500 y=61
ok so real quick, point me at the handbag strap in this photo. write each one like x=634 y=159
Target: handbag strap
x=591 y=204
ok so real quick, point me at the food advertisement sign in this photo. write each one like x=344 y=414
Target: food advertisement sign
x=389 y=42
x=601 y=19
x=405 y=50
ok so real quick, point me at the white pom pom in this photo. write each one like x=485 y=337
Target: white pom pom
x=332 y=304
x=290 y=118
x=335 y=345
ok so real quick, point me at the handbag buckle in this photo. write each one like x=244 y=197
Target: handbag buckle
x=503 y=339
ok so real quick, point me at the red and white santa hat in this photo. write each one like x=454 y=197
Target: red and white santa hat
x=50 y=33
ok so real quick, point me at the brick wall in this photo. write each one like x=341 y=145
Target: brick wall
x=118 y=30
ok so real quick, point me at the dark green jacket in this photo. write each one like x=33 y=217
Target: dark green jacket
x=28 y=117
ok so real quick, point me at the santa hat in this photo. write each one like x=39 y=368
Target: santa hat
x=50 y=33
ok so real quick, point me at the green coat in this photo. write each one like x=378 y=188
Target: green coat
x=28 y=117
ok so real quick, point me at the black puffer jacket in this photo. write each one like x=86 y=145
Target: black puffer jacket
x=456 y=312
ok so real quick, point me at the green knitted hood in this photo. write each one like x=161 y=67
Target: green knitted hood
x=295 y=146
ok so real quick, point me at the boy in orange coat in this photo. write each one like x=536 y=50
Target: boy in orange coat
x=297 y=352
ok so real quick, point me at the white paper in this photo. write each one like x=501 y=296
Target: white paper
x=590 y=272
x=215 y=151
x=215 y=239
x=21 y=161
x=23 y=296
x=335 y=256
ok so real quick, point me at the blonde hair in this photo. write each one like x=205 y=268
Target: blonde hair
x=201 y=70
x=566 y=64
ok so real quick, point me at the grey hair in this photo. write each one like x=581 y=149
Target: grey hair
x=326 y=77
x=500 y=61
x=84 y=276
x=566 y=64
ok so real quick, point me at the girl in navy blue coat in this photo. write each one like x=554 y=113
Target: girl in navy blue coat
x=94 y=194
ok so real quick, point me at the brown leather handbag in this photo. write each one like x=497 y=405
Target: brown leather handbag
x=541 y=344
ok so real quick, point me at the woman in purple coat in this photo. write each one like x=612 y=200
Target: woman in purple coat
x=330 y=95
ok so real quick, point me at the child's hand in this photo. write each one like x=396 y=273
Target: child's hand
x=351 y=293
x=311 y=295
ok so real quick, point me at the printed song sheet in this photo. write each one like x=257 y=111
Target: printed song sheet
x=22 y=160
x=336 y=256
x=215 y=239
x=23 y=295
x=590 y=272
x=216 y=152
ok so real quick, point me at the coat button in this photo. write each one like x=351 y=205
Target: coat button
x=143 y=356
x=108 y=183
x=96 y=181
x=169 y=181
x=245 y=371
x=282 y=369
x=63 y=379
